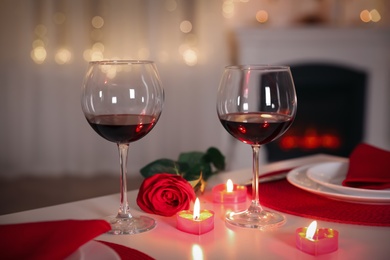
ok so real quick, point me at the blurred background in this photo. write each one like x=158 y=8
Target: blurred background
x=48 y=152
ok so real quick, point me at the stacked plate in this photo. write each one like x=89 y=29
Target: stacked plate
x=325 y=179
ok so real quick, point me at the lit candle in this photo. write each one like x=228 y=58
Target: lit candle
x=229 y=193
x=195 y=222
x=316 y=241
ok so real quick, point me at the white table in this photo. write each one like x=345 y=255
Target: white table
x=224 y=242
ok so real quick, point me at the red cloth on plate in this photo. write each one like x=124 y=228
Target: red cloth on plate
x=126 y=252
x=285 y=197
x=369 y=168
x=49 y=239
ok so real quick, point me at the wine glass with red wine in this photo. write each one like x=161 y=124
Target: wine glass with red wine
x=256 y=104
x=122 y=101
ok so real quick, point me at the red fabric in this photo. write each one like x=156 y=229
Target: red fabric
x=48 y=240
x=369 y=168
x=283 y=196
x=127 y=253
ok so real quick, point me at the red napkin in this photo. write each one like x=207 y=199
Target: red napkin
x=126 y=252
x=48 y=240
x=369 y=168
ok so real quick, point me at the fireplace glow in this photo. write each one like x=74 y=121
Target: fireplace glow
x=311 y=140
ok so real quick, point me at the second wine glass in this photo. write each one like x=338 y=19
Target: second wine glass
x=256 y=104
x=122 y=101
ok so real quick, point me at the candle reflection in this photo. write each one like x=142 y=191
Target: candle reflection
x=197 y=252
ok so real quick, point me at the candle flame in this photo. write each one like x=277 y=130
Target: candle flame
x=196 y=213
x=229 y=185
x=311 y=230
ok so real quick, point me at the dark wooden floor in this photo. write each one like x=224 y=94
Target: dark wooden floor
x=35 y=192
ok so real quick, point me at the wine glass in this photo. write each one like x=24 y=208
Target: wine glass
x=256 y=104
x=122 y=101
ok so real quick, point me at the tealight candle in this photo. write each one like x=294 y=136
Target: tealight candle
x=229 y=193
x=316 y=241
x=195 y=222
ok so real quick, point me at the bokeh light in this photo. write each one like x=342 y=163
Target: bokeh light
x=375 y=16
x=190 y=57
x=185 y=26
x=40 y=30
x=63 y=56
x=38 y=54
x=59 y=18
x=370 y=16
x=97 y=22
x=262 y=16
x=98 y=46
x=170 y=5
x=365 y=16
x=38 y=43
x=228 y=9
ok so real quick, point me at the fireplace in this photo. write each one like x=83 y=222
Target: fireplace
x=357 y=57
x=330 y=116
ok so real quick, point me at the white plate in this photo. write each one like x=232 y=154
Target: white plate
x=94 y=250
x=298 y=178
x=332 y=174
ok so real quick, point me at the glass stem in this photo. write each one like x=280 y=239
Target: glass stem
x=255 y=205
x=124 y=211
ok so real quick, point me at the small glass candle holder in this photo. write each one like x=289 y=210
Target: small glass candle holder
x=229 y=193
x=195 y=222
x=315 y=241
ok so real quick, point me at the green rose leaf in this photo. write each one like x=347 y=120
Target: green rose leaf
x=197 y=170
x=214 y=156
x=191 y=158
x=161 y=166
x=195 y=167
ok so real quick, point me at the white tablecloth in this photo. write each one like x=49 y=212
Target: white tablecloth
x=224 y=242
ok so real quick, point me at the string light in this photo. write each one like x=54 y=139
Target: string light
x=188 y=51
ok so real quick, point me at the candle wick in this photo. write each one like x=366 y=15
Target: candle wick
x=196 y=218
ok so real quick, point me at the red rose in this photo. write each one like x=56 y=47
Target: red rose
x=165 y=194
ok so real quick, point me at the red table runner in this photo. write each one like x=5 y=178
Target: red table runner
x=285 y=197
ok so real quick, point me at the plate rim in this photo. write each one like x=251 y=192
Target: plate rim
x=340 y=188
x=329 y=193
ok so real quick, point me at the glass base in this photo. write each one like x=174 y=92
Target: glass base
x=263 y=219
x=130 y=225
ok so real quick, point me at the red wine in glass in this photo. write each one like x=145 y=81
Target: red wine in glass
x=124 y=128
x=256 y=128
